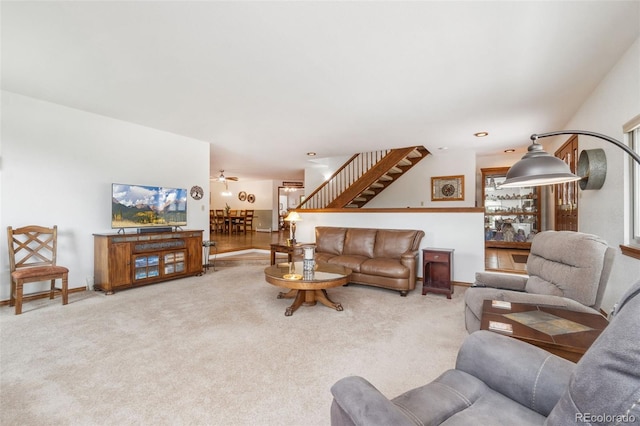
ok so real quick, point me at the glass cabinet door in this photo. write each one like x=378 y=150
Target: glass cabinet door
x=147 y=266
x=174 y=263
x=512 y=215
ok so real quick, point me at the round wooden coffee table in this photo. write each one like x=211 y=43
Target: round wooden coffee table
x=307 y=289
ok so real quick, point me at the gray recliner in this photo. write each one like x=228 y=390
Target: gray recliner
x=565 y=269
x=499 y=380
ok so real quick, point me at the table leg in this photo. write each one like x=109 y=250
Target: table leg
x=322 y=297
x=288 y=295
x=296 y=303
x=307 y=298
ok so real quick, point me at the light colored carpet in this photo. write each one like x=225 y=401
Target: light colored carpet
x=215 y=350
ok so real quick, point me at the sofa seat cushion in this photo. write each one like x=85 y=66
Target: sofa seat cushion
x=352 y=262
x=458 y=398
x=384 y=267
x=324 y=257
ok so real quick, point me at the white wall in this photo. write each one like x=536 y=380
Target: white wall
x=58 y=165
x=319 y=170
x=463 y=232
x=260 y=189
x=605 y=212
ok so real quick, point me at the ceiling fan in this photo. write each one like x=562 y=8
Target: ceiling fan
x=223 y=178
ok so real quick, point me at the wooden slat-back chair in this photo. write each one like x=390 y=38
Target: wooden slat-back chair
x=247 y=223
x=32 y=258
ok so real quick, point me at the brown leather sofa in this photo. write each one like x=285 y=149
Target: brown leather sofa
x=385 y=258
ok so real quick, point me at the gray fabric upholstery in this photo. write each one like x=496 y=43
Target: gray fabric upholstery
x=499 y=380
x=565 y=269
x=607 y=378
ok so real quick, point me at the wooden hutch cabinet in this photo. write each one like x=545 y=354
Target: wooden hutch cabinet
x=511 y=215
x=129 y=260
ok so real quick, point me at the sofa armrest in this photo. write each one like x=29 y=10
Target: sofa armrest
x=499 y=280
x=409 y=257
x=360 y=403
x=524 y=373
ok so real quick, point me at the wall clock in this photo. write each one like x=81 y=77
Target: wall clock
x=447 y=188
x=196 y=192
x=242 y=196
x=251 y=198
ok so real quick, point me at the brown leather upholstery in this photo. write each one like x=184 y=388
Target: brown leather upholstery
x=385 y=258
x=331 y=241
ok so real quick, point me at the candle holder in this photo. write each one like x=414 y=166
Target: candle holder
x=308 y=259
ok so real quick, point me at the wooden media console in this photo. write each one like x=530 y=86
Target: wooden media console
x=129 y=260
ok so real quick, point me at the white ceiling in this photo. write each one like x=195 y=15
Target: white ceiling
x=266 y=82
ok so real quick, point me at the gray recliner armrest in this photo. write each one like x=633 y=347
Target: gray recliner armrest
x=500 y=280
x=363 y=404
x=524 y=373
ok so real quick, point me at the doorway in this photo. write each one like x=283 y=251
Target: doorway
x=289 y=197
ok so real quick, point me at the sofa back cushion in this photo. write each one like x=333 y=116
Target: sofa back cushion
x=360 y=241
x=392 y=243
x=330 y=239
x=568 y=264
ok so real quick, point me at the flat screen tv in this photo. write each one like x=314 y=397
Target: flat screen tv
x=140 y=206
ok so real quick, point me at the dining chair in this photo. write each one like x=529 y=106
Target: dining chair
x=212 y=220
x=218 y=221
x=32 y=258
x=238 y=222
x=229 y=221
x=247 y=222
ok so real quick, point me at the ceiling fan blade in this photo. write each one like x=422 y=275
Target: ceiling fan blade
x=232 y=178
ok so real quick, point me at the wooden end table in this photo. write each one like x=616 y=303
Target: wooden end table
x=307 y=290
x=437 y=270
x=283 y=247
x=562 y=332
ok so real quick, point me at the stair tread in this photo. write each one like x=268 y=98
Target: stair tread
x=415 y=154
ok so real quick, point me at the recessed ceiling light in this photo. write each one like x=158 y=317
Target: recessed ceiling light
x=481 y=134
x=443 y=148
x=311 y=154
x=510 y=150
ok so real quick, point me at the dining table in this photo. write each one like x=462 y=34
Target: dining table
x=232 y=219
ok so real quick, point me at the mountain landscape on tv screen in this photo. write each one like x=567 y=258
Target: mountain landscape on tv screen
x=158 y=206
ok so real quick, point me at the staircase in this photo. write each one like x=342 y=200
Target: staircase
x=363 y=177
